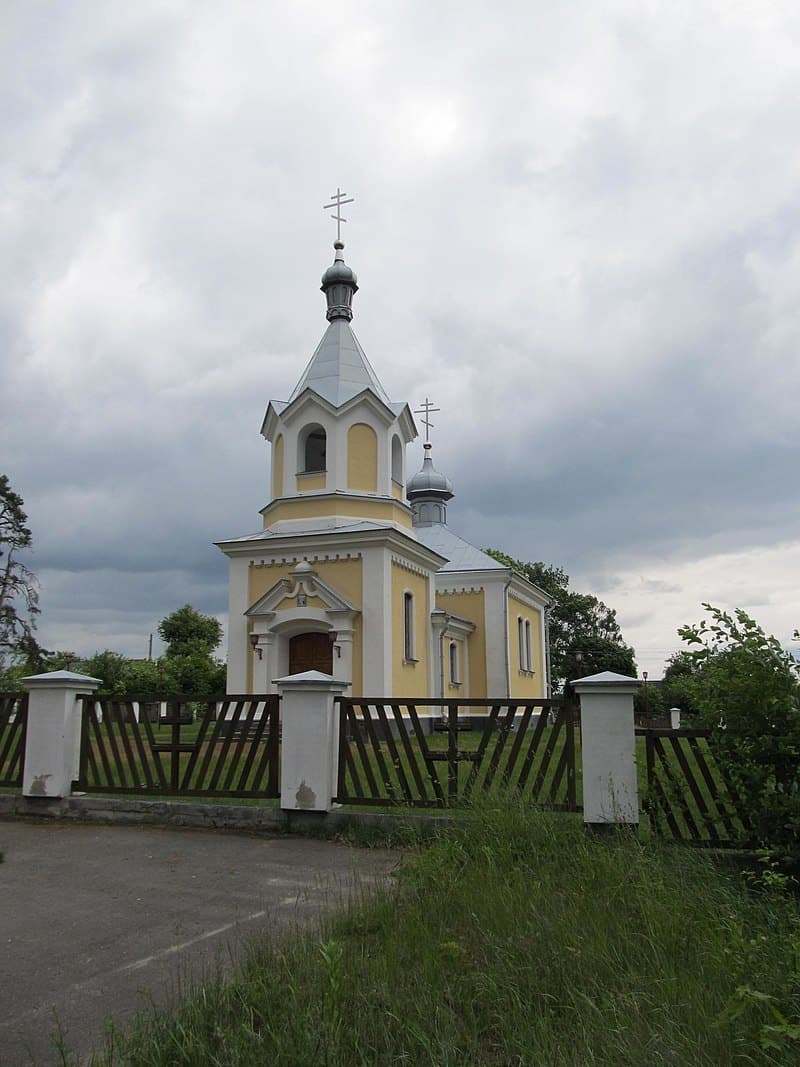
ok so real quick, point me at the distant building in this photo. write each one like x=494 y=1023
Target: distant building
x=349 y=578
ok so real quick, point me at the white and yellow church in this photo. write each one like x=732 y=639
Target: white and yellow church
x=355 y=571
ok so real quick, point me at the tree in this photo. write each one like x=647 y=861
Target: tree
x=677 y=685
x=585 y=637
x=19 y=595
x=188 y=664
x=110 y=667
x=187 y=630
x=747 y=690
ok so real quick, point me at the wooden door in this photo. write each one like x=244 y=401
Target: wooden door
x=311 y=652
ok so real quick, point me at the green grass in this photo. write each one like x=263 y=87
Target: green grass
x=513 y=938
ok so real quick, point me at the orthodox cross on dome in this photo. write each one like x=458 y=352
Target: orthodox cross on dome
x=426 y=408
x=337 y=200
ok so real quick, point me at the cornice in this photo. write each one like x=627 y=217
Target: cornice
x=406 y=565
x=290 y=548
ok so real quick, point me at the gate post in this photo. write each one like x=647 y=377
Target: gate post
x=608 y=748
x=309 y=740
x=53 y=740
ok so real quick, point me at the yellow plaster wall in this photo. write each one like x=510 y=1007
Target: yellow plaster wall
x=470 y=605
x=343 y=575
x=308 y=482
x=381 y=509
x=524 y=685
x=397 y=490
x=277 y=467
x=362 y=458
x=410 y=679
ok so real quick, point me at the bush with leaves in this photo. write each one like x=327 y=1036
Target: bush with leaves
x=747 y=690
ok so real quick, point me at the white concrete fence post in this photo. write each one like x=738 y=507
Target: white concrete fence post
x=608 y=748
x=53 y=737
x=309 y=740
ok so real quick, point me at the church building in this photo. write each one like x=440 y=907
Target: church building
x=355 y=571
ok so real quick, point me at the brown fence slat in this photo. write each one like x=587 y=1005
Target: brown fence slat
x=258 y=738
x=244 y=739
x=723 y=814
x=269 y=757
x=547 y=756
x=534 y=742
x=480 y=752
x=366 y=767
x=425 y=752
x=393 y=752
x=694 y=789
x=13 y=731
x=405 y=741
x=383 y=771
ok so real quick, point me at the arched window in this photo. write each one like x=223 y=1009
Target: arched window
x=312 y=450
x=397 y=460
x=408 y=626
x=453 y=663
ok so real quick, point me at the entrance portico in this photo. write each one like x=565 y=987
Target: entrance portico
x=301 y=606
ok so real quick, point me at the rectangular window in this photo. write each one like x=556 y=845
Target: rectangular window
x=408 y=626
x=521 y=642
x=528 y=656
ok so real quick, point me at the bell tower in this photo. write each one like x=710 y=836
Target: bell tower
x=338 y=442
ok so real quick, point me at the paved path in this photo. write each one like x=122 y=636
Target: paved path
x=95 y=921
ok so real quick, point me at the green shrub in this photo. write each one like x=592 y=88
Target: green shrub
x=747 y=690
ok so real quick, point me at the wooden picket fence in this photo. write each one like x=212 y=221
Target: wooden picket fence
x=688 y=795
x=215 y=747
x=13 y=728
x=387 y=756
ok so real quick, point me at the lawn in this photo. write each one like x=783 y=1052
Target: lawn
x=515 y=937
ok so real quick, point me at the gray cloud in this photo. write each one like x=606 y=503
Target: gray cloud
x=576 y=228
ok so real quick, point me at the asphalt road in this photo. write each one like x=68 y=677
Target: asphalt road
x=101 y=921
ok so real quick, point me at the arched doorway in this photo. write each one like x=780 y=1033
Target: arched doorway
x=311 y=652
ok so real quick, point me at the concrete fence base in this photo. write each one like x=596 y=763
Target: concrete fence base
x=240 y=818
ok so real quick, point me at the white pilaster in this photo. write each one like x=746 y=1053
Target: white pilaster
x=53 y=738
x=608 y=748
x=238 y=645
x=309 y=740
x=376 y=630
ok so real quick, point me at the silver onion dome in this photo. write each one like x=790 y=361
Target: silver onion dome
x=339 y=283
x=428 y=492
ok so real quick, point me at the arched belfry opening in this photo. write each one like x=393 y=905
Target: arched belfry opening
x=313 y=450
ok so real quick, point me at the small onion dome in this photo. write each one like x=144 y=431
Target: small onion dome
x=428 y=492
x=429 y=481
x=339 y=282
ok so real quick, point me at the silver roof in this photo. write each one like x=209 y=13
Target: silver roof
x=339 y=369
x=349 y=528
x=460 y=554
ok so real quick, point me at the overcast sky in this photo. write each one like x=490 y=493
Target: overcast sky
x=575 y=228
